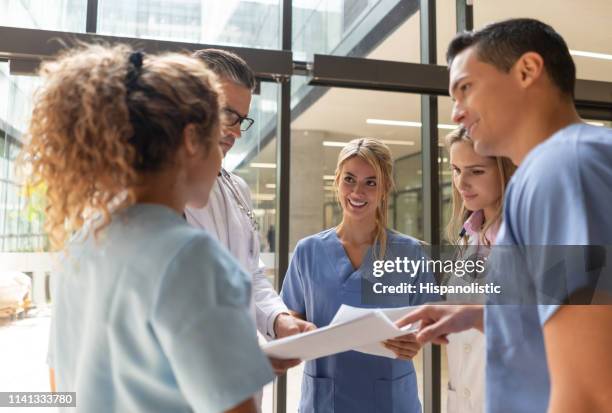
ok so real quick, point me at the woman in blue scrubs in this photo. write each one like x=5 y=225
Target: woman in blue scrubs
x=328 y=269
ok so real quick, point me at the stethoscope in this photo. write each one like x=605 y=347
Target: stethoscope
x=240 y=201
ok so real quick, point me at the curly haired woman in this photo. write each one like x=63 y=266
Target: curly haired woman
x=149 y=313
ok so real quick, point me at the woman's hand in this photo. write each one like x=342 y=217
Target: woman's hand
x=405 y=347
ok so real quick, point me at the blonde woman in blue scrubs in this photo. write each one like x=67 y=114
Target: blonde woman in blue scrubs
x=326 y=271
x=150 y=314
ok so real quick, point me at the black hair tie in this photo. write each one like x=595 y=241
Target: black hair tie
x=136 y=59
x=134 y=69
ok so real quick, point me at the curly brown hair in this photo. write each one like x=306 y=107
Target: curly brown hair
x=93 y=133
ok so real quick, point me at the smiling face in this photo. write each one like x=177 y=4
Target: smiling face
x=237 y=100
x=487 y=103
x=476 y=177
x=358 y=189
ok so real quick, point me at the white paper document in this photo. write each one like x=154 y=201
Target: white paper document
x=352 y=328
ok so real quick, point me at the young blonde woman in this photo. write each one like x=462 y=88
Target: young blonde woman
x=150 y=314
x=478 y=187
x=326 y=271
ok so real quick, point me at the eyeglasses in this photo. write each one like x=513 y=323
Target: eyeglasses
x=233 y=118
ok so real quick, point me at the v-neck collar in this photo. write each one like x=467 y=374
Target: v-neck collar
x=340 y=258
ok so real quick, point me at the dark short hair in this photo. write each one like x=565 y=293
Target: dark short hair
x=228 y=65
x=501 y=44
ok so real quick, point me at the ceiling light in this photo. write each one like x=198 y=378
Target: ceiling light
x=338 y=144
x=263 y=197
x=271 y=186
x=262 y=165
x=402 y=143
x=329 y=177
x=334 y=144
x=406 y=123
x=591 y=54
x=393 y=122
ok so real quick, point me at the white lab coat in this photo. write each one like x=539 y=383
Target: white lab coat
x=224 y=219
x=466 y=351
x=466 y=372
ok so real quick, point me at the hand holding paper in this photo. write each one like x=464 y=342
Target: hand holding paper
x=359 y=329
x=404 y=347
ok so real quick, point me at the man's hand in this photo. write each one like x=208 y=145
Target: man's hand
x=404 y=347
x=438 y=321
x=287 y=325
x=280 y=367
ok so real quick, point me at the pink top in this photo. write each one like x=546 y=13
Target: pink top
x=473 y=225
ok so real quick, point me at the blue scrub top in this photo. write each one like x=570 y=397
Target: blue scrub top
x=153 y=317
x=320 y=278
x=560 y=195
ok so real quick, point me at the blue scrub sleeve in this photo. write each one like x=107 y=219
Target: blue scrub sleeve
x=292 y=291
x=560 y=242
x=202 y=322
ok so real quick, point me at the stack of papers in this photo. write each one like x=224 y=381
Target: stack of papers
x=352 y=328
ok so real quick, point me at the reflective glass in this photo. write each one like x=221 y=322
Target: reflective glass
x=249 y=23
x=253 y=158
x=583 y=25
x=318 y=132
x=356 y=28
x=20 y=222
x=62 y=15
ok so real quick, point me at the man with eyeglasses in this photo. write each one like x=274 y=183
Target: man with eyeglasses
x=229 y=214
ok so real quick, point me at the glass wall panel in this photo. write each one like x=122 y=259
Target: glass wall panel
x=595 y=13
x=446 y=126
x=445 y=194
x=62 y=15
x=374 y=29
x=582 y=25
x=253 y=158
x=356 y=28
x=23 y=343
x=446 y=26
x=318 y=133
x=20 y=221
x=249 y=23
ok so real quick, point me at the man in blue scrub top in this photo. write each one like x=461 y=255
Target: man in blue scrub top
x=512 y=84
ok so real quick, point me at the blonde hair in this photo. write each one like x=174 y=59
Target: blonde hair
x=103 y=117
x=460 y=214
x=378 y=156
